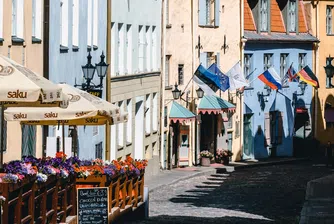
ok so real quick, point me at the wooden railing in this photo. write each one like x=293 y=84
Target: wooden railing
x=55 y=200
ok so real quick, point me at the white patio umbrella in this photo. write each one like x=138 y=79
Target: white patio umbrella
x=83 y=109
x=20 y=86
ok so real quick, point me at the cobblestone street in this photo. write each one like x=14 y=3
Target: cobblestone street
x=272 y=194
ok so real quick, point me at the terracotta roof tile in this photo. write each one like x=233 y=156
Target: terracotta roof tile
x=277 y=24
x=301 y=18
x=248 y=17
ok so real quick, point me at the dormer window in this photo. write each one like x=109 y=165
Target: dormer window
x=264 y=15
x=292 y=12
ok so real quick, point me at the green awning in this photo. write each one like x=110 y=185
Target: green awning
x=180 y=113
x=214 y=104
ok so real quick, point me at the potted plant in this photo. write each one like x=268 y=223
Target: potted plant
x=206 y=157
x=223 y=156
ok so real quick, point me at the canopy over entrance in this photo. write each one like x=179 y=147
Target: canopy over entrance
x=180 y=113
x=214 y=104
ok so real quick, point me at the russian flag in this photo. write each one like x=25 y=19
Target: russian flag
x=271 y=79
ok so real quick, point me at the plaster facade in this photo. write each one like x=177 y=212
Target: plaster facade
x=27 y=53
x=135 y=79
x=184 y=33
x=65 y=63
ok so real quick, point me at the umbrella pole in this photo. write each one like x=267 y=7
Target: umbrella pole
x=1 y=137
x=63 y=137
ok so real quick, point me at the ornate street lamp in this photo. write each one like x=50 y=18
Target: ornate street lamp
x=200 y=93
x=176 y=92
x=88 y=71
x=261 y=95
x=329 y=68
x=101 y=67
x=302 y=86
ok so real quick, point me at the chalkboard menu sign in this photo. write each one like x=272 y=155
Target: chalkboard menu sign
x=93 y=205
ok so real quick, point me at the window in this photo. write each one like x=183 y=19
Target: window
x=148 y=114
x=141 y=49
x=89 y=22
x=206 y=59
x=128 y=50
x=276 y=127
x=37 y=19
x=167 y=12
x=64 y=23
x=95 y=23
x=283 y=65
x=267 y=61
x=98 y=151
x=292 y=15
x=264 y=15
x=154 y=49
x=17 y=18
x=148 y=48
x=329 y=19
x=28 y=145
x=155 y=112
x=248 y=68
x=129 y=122
x=301 y=61
x=1 y=20
x=167 y=69
x=209 y=12
x=120 y=51
x=230 y=120
x=165 y=117
x=75 y=23
x=180 y=74
x=237 y=129
x=120 y=128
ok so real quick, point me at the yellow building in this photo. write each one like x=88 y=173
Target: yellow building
x=21 y=25
x=320 y=16
x=194 y=33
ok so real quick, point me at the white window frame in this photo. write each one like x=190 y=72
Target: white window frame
x=64 y=23
x=148 y=48
x=128 y=49
x=167 y=70
x=208 y=12
x=155 y=112
x=264 y=12
x=154 y=49
x=120 y=49
x=75 y=23
x=284 y=57
x=95 y=22
x=120 y=128
x=148 y=114
x=292 y=12
x=141 y=48
x=267 y=61
x=14 y=17
x=129 y=122
x=329 y=19
x=89 y=23
x=248 y=68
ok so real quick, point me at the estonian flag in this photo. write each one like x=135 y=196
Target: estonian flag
x=271 y=79
x=206 y=80
x=223 y=79
x=308 y=76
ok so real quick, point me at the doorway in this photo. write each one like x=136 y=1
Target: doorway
x=248 y=151
x=184 y=146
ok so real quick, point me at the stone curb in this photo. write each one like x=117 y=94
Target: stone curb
x=244 y=166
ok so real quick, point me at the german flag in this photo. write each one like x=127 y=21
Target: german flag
x=308 y=76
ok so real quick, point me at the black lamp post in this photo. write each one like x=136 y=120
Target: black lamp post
x=261 y=95
x=176 y=92
x=302 y=86
x=89 y=71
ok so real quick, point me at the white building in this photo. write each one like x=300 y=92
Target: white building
x=135 y=79
x=76 y=27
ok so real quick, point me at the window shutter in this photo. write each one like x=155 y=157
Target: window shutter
x=218 y=59
x=203 y=59
x=217 y=7
x=267 y=128
x=202 y=12
x=280 y=127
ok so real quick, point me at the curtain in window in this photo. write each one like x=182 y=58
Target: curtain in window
x=28 y=140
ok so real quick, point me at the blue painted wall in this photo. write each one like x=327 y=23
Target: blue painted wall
x=278 y=100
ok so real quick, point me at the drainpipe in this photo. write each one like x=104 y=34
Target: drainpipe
x=46 y=25
x=242 y=45
x=108 y=77
x=162 y=86
x=317 y=72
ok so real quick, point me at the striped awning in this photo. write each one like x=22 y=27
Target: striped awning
x=214 y=104
x=180 y=113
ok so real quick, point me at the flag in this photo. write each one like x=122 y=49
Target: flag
x=308 y=76
x=290 y=76
x=236 y=77
x=271 y=79
x=203 y=82
x=223 y=79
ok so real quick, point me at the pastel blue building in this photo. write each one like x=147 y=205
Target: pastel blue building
x=273 y=119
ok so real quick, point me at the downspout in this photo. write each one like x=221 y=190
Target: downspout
x=242 y=45
x=108 y=78
x=162 y=86
x=317 y=72
x=46 y=34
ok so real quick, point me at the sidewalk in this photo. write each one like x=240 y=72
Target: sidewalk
x=168 y=177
